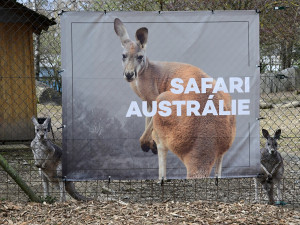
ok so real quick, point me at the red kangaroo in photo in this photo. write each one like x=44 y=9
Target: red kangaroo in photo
x=200 y=142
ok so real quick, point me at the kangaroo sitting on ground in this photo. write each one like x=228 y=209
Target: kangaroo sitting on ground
x=271 y=167
x=47 y=157
x=198 y=141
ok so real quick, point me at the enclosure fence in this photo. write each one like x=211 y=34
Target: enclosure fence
x=30 y=84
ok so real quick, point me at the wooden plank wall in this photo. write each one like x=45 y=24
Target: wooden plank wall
x=17 y=82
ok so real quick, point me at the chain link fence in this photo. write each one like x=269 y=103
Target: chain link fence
x=30 y=84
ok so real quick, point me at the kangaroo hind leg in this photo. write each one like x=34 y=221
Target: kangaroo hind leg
x=162 y=152
x=218 y=169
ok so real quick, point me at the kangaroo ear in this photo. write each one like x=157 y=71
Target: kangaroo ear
x=277 y=134
x=47 y=121
x=34 y=120
x=121 y=31
x=141 y=37
x=265 y=133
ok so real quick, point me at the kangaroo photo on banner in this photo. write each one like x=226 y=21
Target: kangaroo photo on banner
x=160 y=95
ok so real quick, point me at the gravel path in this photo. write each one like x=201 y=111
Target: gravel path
x=199 y=212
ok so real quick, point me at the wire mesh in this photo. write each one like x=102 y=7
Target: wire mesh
x=30 y=81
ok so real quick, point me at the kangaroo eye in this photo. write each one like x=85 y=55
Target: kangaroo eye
x=37 y=130
x=124 y=56
x=45 y=130
x=268 y=143
x=140 y=57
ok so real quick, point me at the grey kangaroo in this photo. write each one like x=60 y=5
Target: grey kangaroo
x=271 y=167
x=47 y=157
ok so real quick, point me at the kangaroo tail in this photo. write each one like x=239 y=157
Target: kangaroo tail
x=70 y=188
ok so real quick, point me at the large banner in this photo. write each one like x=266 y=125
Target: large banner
x=166 y=95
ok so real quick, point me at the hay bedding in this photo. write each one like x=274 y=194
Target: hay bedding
x=117 y=212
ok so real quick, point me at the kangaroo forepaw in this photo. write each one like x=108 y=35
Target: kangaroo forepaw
x=145 y=147
x=150 y=145
x=154 y=148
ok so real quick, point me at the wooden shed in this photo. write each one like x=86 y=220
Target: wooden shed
x=17 y=79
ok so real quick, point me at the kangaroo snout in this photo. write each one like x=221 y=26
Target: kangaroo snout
x=129 y=76
x=38 y=165
x=272 y=150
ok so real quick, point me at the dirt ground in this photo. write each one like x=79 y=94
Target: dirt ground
x=118 y=212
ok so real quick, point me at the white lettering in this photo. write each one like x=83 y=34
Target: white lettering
x=192 y=86
x=209 y=108
x=247 y=84
x=243 y=107
x=206 y=83
x=220 y=86
x=178 y=108
x=192 y=107
x=235 y=83
x=233 y=107
x=164 y=106
x=177 y=87
x=222 y=112
x=134 y=110
x=145 y=109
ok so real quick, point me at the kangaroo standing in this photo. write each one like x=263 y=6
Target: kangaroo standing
x=271 y=167
x=198 y=141
x=47 y=157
